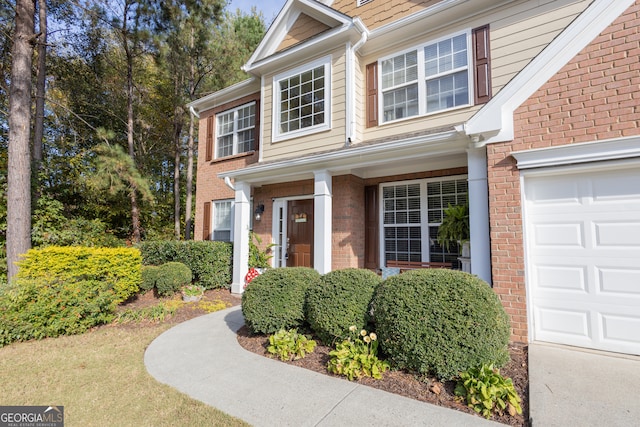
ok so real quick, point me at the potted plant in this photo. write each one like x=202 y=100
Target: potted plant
x=258 y=259
x=454 y=228
x=192 y=293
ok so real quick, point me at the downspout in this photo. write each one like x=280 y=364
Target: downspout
x=194 y=112
x=350 y=82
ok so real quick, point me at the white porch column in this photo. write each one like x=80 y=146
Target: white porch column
x=241 y=235
x=322 y=221
x=479 y=213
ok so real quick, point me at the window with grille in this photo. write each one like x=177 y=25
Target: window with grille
x=299 y=100
x=430 y=78
x=412 y=213
x=222 y=220
x=236 y=131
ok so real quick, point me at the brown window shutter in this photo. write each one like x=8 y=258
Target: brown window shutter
x=482 y=64
x=372 y=94
x=371 y=236
x=206 y=222
x=256 y=131
x=209 y=153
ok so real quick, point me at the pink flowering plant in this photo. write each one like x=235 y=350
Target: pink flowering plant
x=357 y=356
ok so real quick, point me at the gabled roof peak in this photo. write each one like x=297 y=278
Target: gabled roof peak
x=317 y=10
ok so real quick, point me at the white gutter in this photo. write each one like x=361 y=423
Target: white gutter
x=193 y=112
x=351 y=65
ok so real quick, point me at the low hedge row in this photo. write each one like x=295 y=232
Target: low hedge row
x=119 y=268
x=439 y=322
x=40 y=308
x=210 y=262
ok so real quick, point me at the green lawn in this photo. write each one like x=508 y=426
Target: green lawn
x=100 y=379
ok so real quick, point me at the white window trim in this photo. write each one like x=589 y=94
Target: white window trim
x=424 y=220
x=213 y=218
x=234 y=111
x=422 y=80
x=276 y=136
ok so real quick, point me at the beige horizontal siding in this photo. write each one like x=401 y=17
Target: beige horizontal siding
x=321 y=141
x=519 y=32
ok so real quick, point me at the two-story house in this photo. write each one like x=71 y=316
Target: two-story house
x=364 y=119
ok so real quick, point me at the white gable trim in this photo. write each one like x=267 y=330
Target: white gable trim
x=286 y=19
x=494 y=122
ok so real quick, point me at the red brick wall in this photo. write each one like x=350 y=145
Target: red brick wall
x=208 y=186
x=595 y=96
x=347 y=209
x=348 y=222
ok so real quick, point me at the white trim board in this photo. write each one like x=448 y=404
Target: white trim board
x=494 y=122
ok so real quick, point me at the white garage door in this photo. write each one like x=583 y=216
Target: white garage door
x=582 y=233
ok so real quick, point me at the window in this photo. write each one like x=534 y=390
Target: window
x=236 y=130
x=412 y=213
x=222 y=220
x=299 y=101
x=430 y=78
x=362 y=2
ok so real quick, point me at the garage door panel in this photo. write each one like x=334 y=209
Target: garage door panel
x=582 y=233
x=620 y=330
x=607 y=187
x=562 y=277
x=559 y=320
x=617 y=234
x=559 y=234
x=619 y=281
x=562 y=192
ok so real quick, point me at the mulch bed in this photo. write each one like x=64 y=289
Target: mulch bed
x=405 y=384
x=399 y=382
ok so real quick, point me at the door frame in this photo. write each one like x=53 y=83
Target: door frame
x=279 y=235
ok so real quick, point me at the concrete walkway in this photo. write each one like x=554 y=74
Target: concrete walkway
x=203 y=359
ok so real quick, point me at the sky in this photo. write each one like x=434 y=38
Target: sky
x=269 y=8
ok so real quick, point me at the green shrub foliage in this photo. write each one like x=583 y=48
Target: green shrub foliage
x=440 y=322
x=339 y=301
x=120 y=268
x=149 y=277
x=210 y=262
x=275 y=300
x=40 y=308
x=171 y=277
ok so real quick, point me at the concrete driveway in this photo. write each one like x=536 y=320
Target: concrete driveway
x=574 y=387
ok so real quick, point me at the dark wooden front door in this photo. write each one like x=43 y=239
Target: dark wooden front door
x=300 y=234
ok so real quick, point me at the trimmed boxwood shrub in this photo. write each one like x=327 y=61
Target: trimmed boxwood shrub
x=440 y=322
x=149 y=277
x=171 y=276
x=275 y=300
x=339 y=301
x=40 y=308
x=210 y=262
